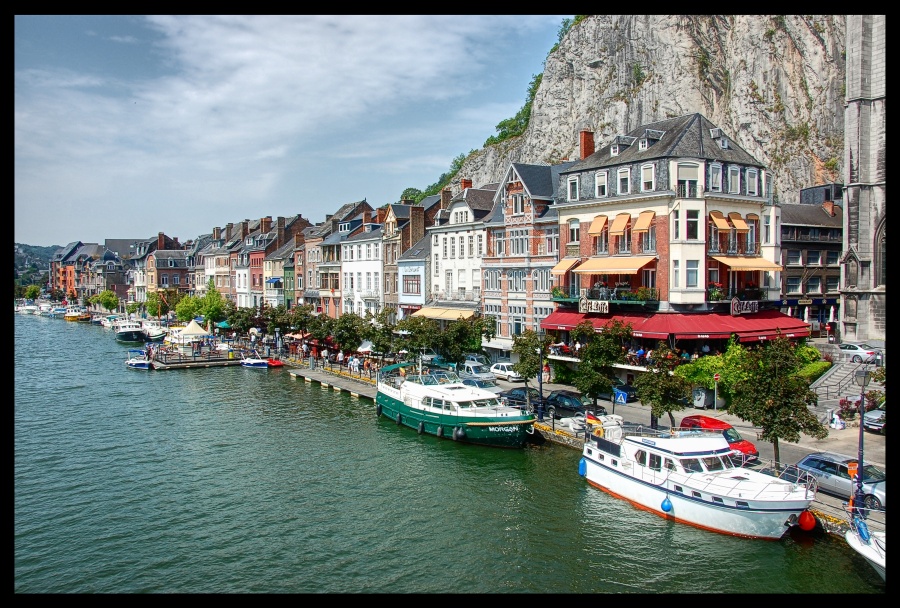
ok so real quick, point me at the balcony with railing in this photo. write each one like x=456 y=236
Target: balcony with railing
x=370 y=294
x=623 y=294
x=565 y=293
x=460 y=295
x=725 y=245
x=689 y=190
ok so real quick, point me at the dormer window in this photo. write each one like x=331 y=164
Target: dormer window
x=171 y=263
x=643 y=144
x=614 y=150
x=344 y=227
x=723 y=143
x=573 y=189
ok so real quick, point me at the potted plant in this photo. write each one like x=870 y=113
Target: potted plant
x=716 y=292
x=557 y=292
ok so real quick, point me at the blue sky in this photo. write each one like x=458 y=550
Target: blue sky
x=126 y=126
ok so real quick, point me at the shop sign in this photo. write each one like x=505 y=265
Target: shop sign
x=739 y=307
x=804 y=302
x=599 y=306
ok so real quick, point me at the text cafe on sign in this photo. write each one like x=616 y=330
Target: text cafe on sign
x=739 y=307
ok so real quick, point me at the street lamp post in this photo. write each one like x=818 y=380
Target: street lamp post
x=540 y=350
x=862 y=379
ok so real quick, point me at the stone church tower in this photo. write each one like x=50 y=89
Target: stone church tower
x=864 y=268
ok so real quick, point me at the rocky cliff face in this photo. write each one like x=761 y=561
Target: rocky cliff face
x=775 y=84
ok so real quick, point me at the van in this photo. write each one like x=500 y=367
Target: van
x=737 y=443
x=474 y=369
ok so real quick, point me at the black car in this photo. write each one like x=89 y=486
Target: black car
x=516 y=397
x=566 y=403
x=618 y=385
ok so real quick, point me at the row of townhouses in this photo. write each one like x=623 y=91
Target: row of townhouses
x=671 y=227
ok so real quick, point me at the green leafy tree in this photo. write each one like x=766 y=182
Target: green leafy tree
x=212 y=304
x=320 y=327
x=241 y=319
x=32 y=292
x=380 y=330
x=348 y=331
x=300 y=317
x=108 y=300
x=412 y=194
x=417 y=333
x=659 y=388
x=132 y=307
x=531 y=348
x=465 y=336
x=772 y=396
x=188 y=308
x=729 y=366
x=156 y=305
x=600 y=351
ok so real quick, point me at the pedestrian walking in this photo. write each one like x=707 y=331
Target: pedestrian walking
x=546 y=373
x=340 y=358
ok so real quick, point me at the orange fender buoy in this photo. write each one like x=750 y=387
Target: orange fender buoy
x=807 y=521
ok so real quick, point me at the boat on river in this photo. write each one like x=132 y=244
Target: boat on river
x=254 y=360
x=687 y=475
x=438 y=403
x=137 y=359
x=77 y=313
x=129 y=331
x=871 y=545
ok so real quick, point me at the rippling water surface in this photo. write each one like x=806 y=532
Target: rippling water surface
x=250 y=481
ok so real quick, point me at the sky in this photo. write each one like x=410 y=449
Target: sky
x=127 y=126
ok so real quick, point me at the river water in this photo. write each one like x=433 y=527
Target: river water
x=236 y=480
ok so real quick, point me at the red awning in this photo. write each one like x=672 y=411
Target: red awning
x=764 y=325
x=568 y=320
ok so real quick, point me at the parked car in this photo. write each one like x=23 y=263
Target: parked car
x=566 y=403
x=834 y=478
x=428 y=355
x=618 y=385
x=488 y=385
x=477 y=358
x=516 y=397
x=748 y=451
x=873 y=420
x=505 y=371
x=859 y=352
x=473 y=369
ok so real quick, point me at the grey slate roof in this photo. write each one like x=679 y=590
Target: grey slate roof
x=375 y=233
x=419 y=251
x=796 y=214
x=684 y=136
x=542 y=181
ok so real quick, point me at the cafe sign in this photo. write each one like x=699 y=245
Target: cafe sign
x=740 y=307
x=599 y=306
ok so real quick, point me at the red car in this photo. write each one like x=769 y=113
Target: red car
x=737 y=443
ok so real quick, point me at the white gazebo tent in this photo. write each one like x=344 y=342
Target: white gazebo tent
x=194 y=332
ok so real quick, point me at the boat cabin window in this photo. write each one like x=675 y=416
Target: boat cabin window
x=486 y=403
x=641 y=457
x=713 y=463
x=655 y=462
x=692 y=465
x=670 y=466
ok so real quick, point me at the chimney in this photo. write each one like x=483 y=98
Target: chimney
x=161 y=241
x=367 y=217
x=465 y=183
x=279 y=232
x=446 y=195
x=828 y=206
x=380 y=215
x=586 y=143
x=217 y=233
x=265 y=224
x=299 y=239
x=407 y=201
x=245 y=229
x=416 y=224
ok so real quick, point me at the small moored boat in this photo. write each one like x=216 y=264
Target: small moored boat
x=438 y=403
x=253 y=361
x=137 y=359
x=129 y=331
x=687 y=475
x=871 y=545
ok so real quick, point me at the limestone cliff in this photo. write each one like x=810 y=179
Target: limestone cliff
x=775 y=84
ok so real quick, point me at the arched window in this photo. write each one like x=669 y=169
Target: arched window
x=880 y=259
x=574 y=233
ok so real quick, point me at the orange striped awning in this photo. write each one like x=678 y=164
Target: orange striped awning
x=597 y=225
x=564 y=265
x=719 y=220
x=619 y=224
x=739 y=224
x=643 y=222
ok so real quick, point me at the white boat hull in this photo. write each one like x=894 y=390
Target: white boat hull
x=762 y=522
x=717 y=497
x=872 y=551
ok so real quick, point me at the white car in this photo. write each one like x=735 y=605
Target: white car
x=505 y=371
x=859 y=352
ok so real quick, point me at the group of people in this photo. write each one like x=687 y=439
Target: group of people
x=565 y=348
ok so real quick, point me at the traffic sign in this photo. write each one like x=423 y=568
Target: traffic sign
x=851 y=469
x=716 y=377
